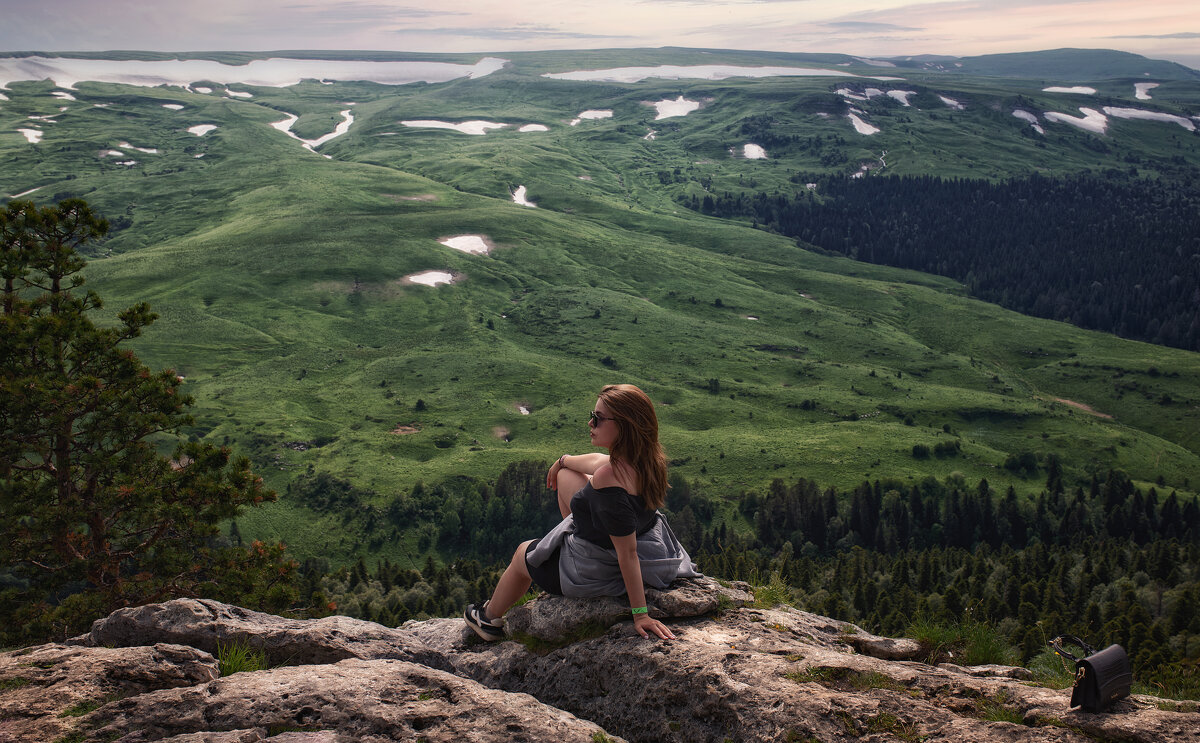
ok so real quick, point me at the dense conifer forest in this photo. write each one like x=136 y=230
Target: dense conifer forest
x=1111 y=252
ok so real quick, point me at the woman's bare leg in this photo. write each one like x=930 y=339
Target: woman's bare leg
x=569 y=483
x=513 y=584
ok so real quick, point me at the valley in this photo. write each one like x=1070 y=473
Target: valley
x=310 y=294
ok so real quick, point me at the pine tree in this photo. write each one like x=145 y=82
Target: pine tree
x=92 y=517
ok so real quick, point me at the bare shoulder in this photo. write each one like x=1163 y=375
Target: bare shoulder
x=610 y=475
x=605 y=476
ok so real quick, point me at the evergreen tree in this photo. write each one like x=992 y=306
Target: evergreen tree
x=92 y=517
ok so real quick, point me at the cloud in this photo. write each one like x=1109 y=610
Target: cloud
x=866 y=27
x=354 y=11
x=1180 y=35
x=516 y=34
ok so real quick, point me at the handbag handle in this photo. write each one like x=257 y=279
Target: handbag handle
x=1056 y=646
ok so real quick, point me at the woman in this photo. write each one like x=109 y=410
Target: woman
x=612 y=540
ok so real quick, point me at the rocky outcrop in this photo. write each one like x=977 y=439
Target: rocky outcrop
x=555 y=620
x=741 y=674
x=359 y=700
x=206 y=625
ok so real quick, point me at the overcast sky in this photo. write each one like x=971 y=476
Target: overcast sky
x=1163 y=29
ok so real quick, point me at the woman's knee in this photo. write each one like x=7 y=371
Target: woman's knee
x=518 y=559
x=570 y=481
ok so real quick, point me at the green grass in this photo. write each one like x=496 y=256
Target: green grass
x=278 y=276
x=838 y=677
x=239 y=656
x=964 y=643
x=775 y=593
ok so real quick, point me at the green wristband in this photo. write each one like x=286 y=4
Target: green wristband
x=639 y=610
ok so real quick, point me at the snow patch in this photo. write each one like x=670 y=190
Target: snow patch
x=111 y=153
x=592 y=113
x=1092 y=121
x=518 y=197
x=534 y=128
x=63 y=95
x=173 y=106
x=467 y=127
x=277 y=72
x=33 y=136
x=1031 y=118
x=678 y=107
x=753 y=152
x=474 y=244
x=1081 y=89
x=148 y=150
x=874 y=62
x=952 y=103
x=861 y=126
x=678 y=72
x=238 y=94
x=431 y=278
x=201 y=129
x=901 y=95
x=1137 y=113
x=1141 y=91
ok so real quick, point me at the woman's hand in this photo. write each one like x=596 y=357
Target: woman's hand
x=552 y=475
x=645 y=624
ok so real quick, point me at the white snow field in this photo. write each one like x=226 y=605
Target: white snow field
x=678 y=107
x=201 y=129
x=1137 y=113
x=1031 y=118
x=701 y=72
x=1141 y=91
x=1092 y=121
x=861 y=126
x=431 y=278
x=518 y=197
x=753 y=152
x=277 y=72
x=467 y=127
x=1080 y=89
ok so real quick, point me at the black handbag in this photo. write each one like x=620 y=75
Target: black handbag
x=1101 y=678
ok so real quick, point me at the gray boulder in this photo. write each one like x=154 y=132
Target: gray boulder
x=553 y=620
x=206 y=624
x=352 y=700
x=44 y=690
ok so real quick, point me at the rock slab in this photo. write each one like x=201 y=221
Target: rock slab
x=742 y=674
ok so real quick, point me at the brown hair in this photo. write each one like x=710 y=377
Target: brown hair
x=637 y=440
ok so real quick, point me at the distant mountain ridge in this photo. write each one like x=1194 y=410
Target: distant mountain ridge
x=1053 y=64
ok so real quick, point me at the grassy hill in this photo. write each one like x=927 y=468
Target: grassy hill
x=280 y=277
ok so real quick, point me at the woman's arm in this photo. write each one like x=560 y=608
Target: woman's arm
x=631 y=571
x=586 y=464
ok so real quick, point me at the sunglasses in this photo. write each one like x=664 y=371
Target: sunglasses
x=596 y=419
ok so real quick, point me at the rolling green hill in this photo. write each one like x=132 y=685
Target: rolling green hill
x=281 y=274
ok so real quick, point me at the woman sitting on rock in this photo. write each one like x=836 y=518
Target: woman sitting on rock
x=612 y=539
